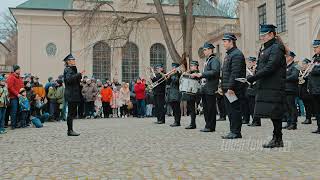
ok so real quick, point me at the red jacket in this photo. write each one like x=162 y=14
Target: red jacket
x=106 y=94
x=140 y=90
x=15 y=83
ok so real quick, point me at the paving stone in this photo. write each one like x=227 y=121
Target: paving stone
x=138 y=149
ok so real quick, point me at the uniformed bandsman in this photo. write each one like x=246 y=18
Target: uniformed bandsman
x=292 y=80
x=234 y=67
x=251 y=91
x=159 y=95
x=173 y=95
x=72 y=92
x=191 y=98
x=270 y=78
x=314 y=82
x=303 y=91
x=211 y=74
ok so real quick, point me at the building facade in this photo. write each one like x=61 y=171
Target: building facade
x=47 y=30
x=4 y=56
x=298 y=23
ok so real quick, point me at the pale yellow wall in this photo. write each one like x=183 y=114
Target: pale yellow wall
x=38 y=28
x=302 y=25
x=3 y=55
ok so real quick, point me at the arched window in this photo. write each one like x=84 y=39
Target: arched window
x=130 y=62
x=101 y=60
x=158 y=55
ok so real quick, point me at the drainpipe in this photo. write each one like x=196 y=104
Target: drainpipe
x=70 y=28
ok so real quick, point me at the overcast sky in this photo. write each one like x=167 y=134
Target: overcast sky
x=4 y=4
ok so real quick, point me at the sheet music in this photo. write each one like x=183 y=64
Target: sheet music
x=231 y=98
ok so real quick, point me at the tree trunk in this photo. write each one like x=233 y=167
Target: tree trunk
x=166 y=34
x=189 y=29
x=183 y=20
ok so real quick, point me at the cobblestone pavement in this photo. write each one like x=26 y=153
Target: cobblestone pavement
x=138 y=149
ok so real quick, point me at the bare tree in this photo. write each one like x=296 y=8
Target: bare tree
x=8 y=36
x=230 y=7
x=120 y=26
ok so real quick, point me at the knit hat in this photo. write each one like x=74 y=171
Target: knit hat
x=15 y=67
x=22 y=90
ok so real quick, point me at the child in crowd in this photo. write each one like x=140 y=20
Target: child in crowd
x=24 y=107
x=38 y=117
x=60 y=99
x=115 y=101
x=3 y=103
x=124 y=100
x=106 y=97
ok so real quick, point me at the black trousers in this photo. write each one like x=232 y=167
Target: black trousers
x=252 y=103
x=160 y=107
x=245 y=111
x=291 y=108
x=191 y=106
x=277 y=128
x=81 y=109
x=308 y=103
x=221 y=106
x=106 y=109
x=72 y=113
x=124 y=110
x=234 y=114
x=316 y=99
x=89 y=108
x=176 y=111
x=210 y=111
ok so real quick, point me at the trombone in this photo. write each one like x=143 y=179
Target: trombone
x=164 y=78
x=306 y=73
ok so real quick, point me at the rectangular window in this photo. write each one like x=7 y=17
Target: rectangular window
x=262 y=14
x=281 y=15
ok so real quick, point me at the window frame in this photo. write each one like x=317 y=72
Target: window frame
x=281 y=16
x=101 y=60
x=130 y=62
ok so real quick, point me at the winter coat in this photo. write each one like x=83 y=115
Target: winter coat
x=3 y=97
x=24 y=104
x=89 y=92
x=292 y=79
x=106 y=94
x=270 y=77
x=234 y=66
x=161 y=88
x=124 y=97
x=140 y=90
x=173 y=94
x=212 y=74
x=314 y=77
x=14 y=83
x=60 y=95
x=39 y=90
x=52 y=94
x=72 y=81
x=115 y=102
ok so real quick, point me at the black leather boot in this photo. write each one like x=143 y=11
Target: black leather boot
x=72 y=133
x=307 y=121
x=275 y=142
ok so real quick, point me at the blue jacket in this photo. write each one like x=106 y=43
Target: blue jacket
x=24 y=104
